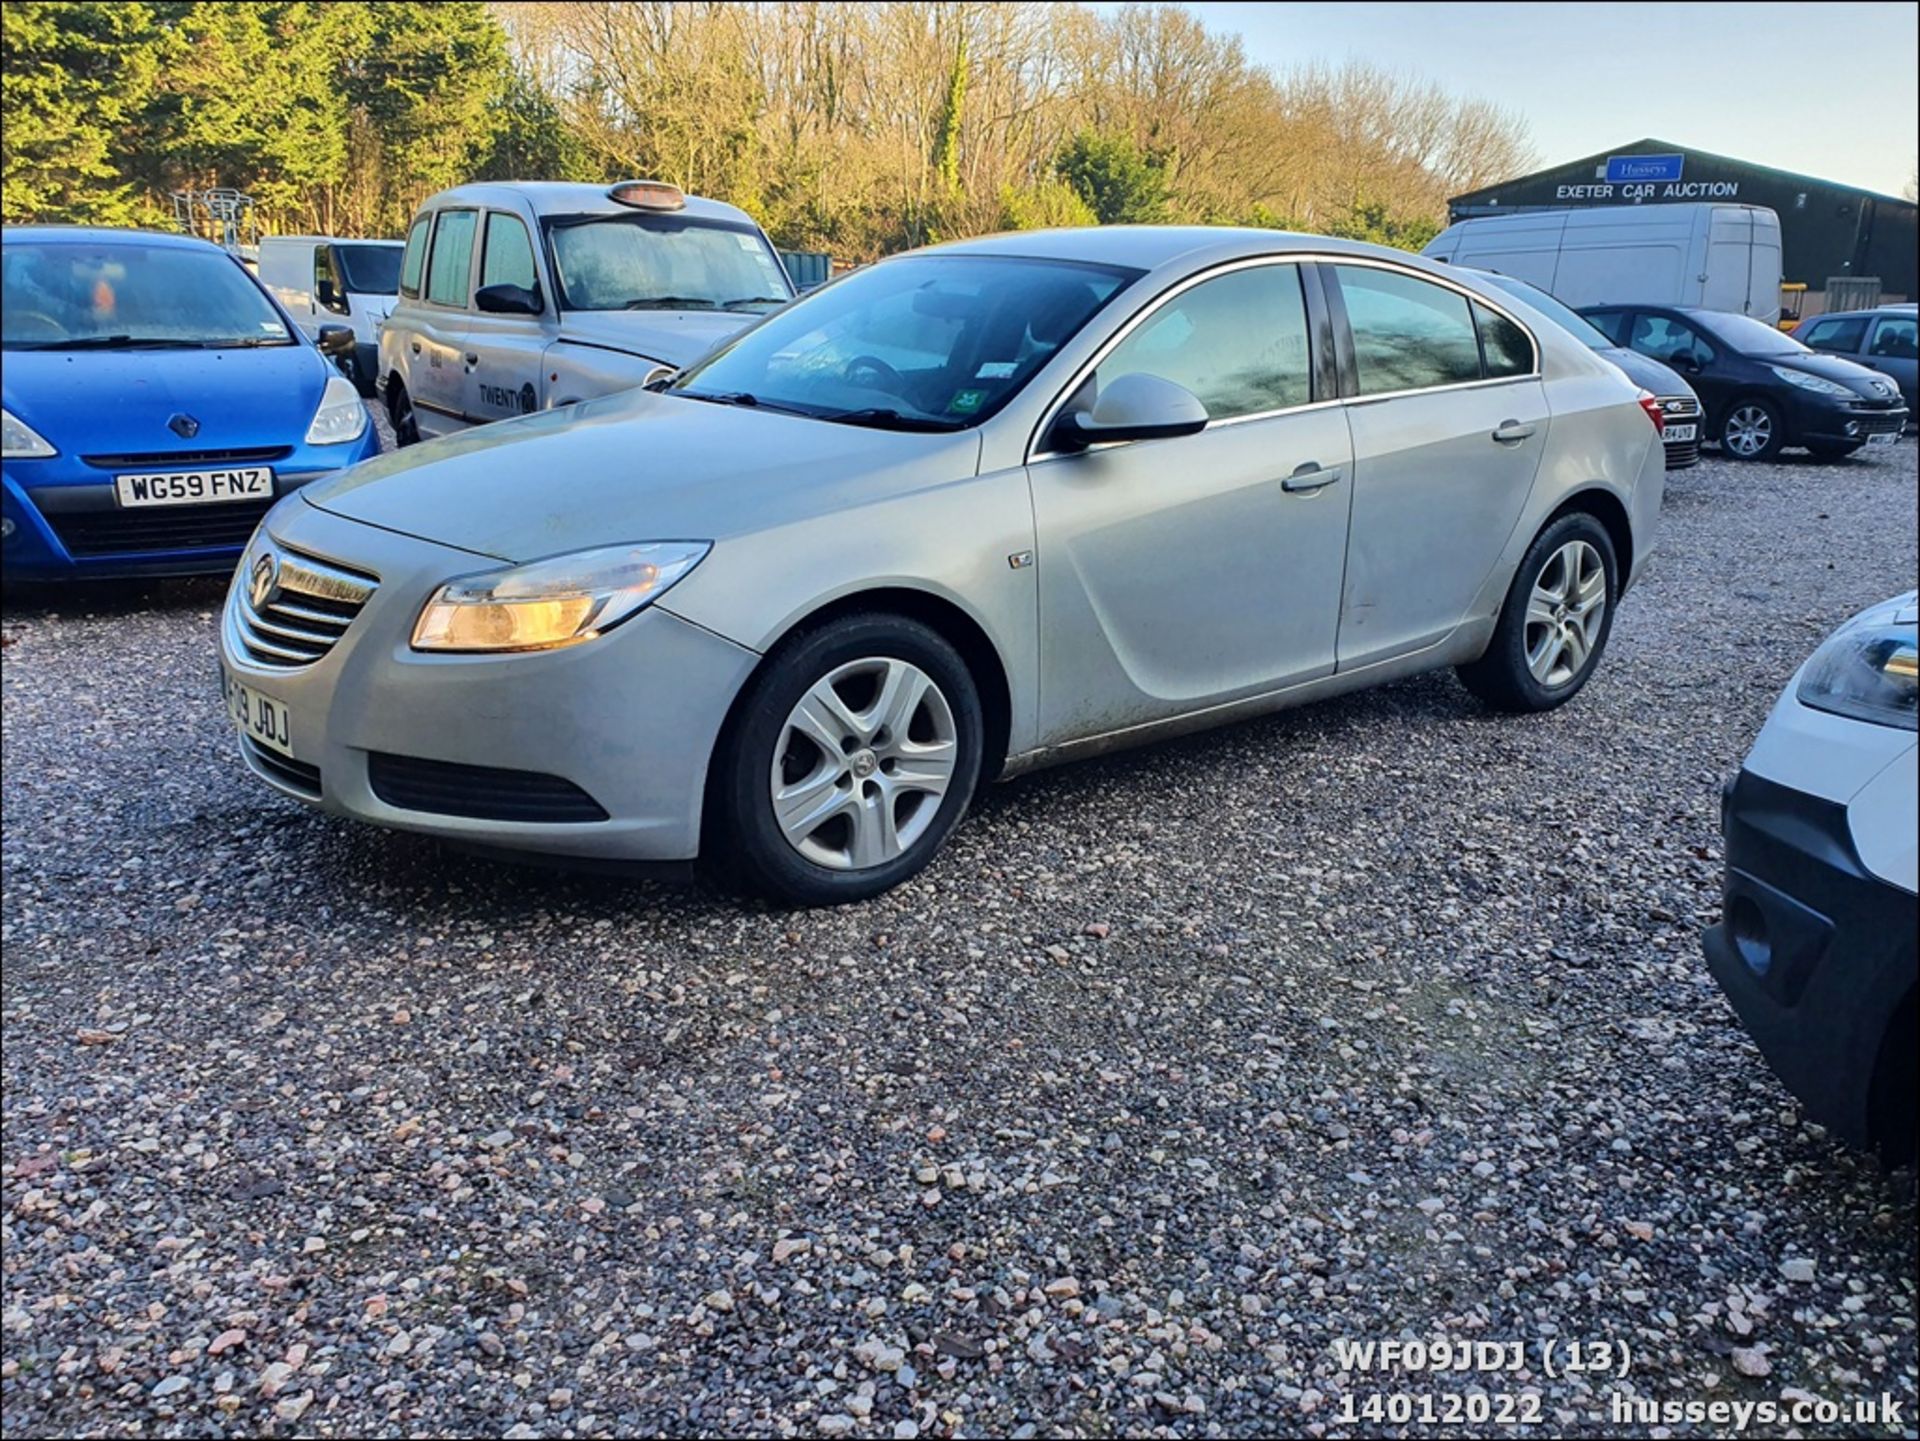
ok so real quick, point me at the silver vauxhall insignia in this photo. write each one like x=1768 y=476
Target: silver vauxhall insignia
x=965 y=512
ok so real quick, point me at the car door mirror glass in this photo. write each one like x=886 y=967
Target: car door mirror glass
x=1136 y=406
x=505 y=299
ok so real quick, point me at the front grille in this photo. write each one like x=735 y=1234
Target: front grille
x=156 y=528
x=1679 y=407
x=293 y=774
x=181 y=459
x=302 y=613
x=1682 y=453
x=1881 y=423
x=478 y=792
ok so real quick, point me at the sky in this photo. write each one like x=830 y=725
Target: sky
x=1726 y=78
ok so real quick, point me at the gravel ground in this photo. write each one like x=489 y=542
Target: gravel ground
x=1380 y=1017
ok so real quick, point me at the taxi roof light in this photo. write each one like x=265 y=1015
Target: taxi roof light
x=648 y=195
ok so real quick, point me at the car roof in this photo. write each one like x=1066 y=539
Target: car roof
x=561 y=197
x=1147 y=247
x=95 y=234
x=1878 y=312
x=329 y=240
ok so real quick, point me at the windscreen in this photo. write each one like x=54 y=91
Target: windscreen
x=1571 y=321
x=1747 y=335
x=371 y=269
x=121 y=294
x=664 y=262
x=925 y=342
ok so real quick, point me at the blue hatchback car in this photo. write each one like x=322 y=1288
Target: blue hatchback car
x=157 y=402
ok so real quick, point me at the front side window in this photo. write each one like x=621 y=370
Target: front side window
x=926 y=342
x=664 y=262
x=452 y=260
x=1408 y=333
x=120 y=294
x=1237 y=342
x=411 y=263
x=327 y=288
x=1504 y=347
x=1669 y=340
x=508 y=256
x=1842 y=336
x=1895 y=340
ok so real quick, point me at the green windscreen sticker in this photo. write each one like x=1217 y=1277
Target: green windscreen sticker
x=965 y=402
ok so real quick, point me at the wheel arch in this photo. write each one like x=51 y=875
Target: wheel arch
x=1607 y=508
x=947 y=619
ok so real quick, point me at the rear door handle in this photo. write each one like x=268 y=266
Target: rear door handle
x=472 y=359
x=1311 y=477
x=1512 y=432
x=415 y=347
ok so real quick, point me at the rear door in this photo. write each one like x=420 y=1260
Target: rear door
x=502 y=355
x=438 y=337
x=1729 y=269
x=1446 y=443
x=1891 y=349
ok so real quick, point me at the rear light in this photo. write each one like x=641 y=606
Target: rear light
x=1651 y=405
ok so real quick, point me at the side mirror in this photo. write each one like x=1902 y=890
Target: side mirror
x=1137 y=406
x=335 y=340
x=505 y=299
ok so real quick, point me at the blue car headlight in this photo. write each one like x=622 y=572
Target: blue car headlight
x=341 y=417
x=1869 y=669
x=22 y=441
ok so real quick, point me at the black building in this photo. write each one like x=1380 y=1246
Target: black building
x=1826 y=229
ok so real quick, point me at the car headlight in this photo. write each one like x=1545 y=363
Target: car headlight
x=341 y=417
x=1811 y=382
x=22 y=441
x=553 y=602
x=1868 y=669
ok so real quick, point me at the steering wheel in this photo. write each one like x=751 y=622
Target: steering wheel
x=896 y=382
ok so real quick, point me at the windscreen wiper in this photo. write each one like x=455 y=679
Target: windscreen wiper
x=745 y=398
x=670 y=302
x=113 y=342
x=754 y=300
x=886 y=418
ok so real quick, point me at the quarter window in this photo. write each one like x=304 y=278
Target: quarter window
x=1895 y=340
x=452 y=260
x=508 y=257
x=1408 y=334
x=1238 y=342
x=1668 y=340
x=1842 y=336
x=1504 y=346
x=416 y=252
x=1607 y=322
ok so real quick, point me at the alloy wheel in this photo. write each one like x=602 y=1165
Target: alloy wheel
x=862 y=763
x=1749 y=431
x=1564 y=613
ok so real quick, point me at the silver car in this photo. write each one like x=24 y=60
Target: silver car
x=969 y=511
x=517 y=296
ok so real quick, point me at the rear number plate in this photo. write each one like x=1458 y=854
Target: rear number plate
x=194 y=487
x=261 y=718
x=1679 y=432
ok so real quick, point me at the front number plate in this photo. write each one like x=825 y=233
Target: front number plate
x=258 y=716
x=1679 y=432
x=1885 y=437
x=194 y=487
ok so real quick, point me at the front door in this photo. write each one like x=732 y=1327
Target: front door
x=1673 y=342
x=1179 y=574
x=502 y=355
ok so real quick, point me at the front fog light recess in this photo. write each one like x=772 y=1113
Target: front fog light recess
x=553 y=602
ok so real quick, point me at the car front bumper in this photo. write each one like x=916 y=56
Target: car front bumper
x=605 y=743
x=62 y=521
x=1814 y=952
x=1822 y=420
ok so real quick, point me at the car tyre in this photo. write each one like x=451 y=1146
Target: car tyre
x=1554 y=624
x=1752 y=429
x=406 y=429
x=852 y=755
x=1830 y=451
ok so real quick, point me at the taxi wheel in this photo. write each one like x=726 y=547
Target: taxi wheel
x=406 y=430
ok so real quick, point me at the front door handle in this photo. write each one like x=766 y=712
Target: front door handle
x=1512 y=432
x=415 y=347
x=1311 y=477
x=472 y=359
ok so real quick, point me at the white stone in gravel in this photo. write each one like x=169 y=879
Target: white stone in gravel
x=169 y=1387
x=1751 y=1361
x=400 y=1344
x=718 y=1301
x=294 y=1407
x=1797 y=1268
x=789 y=1246
x=837 y=1424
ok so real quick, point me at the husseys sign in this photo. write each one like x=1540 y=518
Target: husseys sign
x=1647 y=177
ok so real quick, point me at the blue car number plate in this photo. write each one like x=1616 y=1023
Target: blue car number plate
x=194 y=487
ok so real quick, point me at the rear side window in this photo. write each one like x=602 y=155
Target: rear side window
x=416 y=253
x=508 y=256
x=1408 y=334
x=452 y=260
x=1504 y=346
x=1895 y=339
x=1607 y=322
x=1843 y=336
x=1238 y=342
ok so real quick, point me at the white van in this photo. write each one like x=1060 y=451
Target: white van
x=1718 y=257
x=326 y=280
